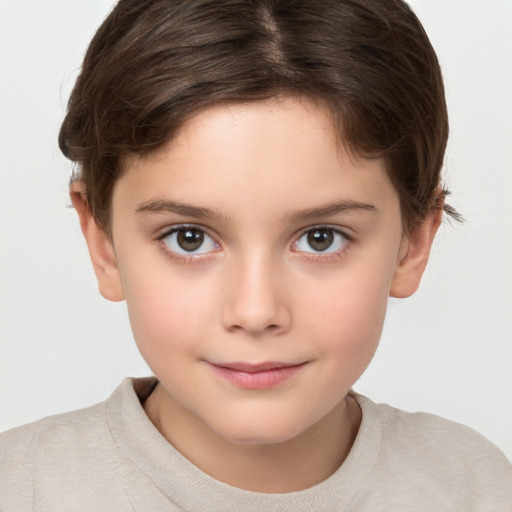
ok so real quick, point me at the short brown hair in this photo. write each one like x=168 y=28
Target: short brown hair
x=155 y=63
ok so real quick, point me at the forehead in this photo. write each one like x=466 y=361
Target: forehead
x=269 y=155
x=238 y=127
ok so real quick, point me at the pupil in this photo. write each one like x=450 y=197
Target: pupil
x=320 y=239
x=190 y=240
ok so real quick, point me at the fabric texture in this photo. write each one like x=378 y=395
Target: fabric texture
x=111 y=458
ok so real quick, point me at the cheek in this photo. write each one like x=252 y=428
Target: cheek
x=347 y=313
x=167 y=309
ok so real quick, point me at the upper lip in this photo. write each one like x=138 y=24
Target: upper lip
x=256 y=367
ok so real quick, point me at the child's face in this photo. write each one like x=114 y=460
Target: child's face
x=252 y=240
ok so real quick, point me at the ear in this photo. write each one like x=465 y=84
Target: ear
x=100 y=246
x=414 y=255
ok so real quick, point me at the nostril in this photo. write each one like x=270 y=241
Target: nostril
x=255 y=306
x=268 y=329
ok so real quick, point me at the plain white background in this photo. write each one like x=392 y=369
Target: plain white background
x=447 y=350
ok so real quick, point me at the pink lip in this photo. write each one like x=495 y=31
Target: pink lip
x=257 y=376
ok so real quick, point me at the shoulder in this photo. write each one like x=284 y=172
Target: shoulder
x=20 y=441
x=35 y=449
x=73 y=461
x=438 y=438
x=429 y=452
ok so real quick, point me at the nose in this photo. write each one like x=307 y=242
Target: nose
x=256 y=298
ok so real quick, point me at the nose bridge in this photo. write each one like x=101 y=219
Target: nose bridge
x=256 y=301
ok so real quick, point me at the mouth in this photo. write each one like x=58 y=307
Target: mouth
x=264 y=375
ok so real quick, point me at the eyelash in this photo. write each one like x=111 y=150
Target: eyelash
x=183 y=258
x=325 y=257
x=320 y=256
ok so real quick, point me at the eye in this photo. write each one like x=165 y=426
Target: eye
x=188 y=240
x=321 y=239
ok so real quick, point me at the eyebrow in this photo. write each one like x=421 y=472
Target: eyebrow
x=201 y=213
x=186 y=210
x=330 y=209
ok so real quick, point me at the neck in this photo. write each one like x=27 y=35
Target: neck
x=292 y=465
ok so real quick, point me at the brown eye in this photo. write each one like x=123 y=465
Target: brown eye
x=320 y=239
x=190 y=239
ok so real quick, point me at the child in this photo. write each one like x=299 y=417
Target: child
x=255 y=179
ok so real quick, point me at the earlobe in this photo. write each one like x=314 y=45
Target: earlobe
x=414 y=255
x=100 y=246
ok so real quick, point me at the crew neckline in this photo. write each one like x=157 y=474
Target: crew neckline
x=189 y=488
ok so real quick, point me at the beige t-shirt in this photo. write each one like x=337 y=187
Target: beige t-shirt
x=111 y=458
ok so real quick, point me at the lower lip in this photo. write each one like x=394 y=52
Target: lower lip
x=265 y=379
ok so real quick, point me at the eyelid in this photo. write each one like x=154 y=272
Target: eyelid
x=168 y=230
x=184 y=257
x=338 y=229
x=324 y=256
x=188 y=258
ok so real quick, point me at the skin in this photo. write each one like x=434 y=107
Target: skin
x=260 y=177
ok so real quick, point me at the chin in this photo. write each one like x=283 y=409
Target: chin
x=258 y=439
x=259 y=432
